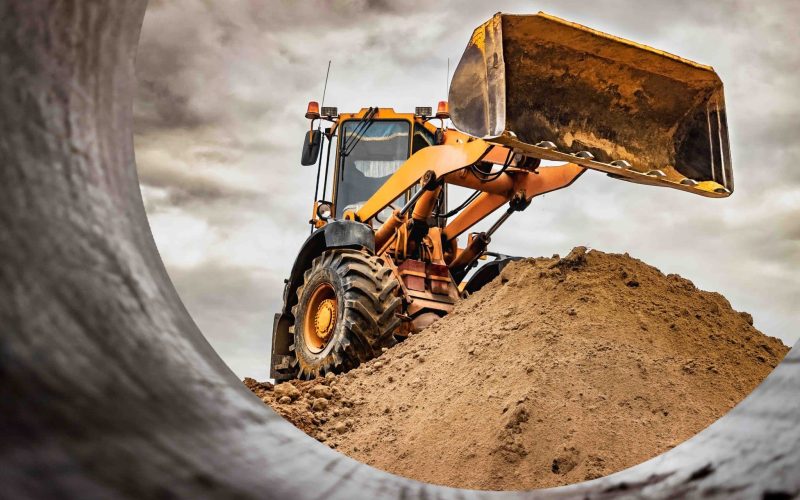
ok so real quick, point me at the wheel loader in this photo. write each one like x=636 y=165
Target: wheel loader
x=388 y=254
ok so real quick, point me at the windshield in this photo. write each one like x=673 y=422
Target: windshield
x=371 y=160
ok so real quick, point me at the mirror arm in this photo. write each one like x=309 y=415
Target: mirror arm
x=319 y=167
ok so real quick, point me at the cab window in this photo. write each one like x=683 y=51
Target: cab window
x=370 y=160
x=422 y=138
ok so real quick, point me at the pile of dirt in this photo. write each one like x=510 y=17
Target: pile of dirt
x=560 y=370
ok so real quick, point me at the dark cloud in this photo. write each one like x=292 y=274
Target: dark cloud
x=183 y=187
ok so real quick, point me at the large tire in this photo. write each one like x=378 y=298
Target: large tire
x=358 y=290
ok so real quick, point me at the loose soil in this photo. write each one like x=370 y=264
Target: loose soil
x=560 y=370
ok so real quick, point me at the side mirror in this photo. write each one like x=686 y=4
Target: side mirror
x=311 y=147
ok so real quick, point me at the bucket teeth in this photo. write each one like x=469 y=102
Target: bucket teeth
x=546 y=145
x=620 y=164
x=657 y=173
x=689 y=182
x=586 y=155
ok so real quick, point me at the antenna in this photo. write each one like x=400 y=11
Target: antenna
x=325 y=89
x=319 y=163
x=447 y=81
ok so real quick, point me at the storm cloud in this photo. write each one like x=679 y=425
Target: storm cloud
x=219 y=122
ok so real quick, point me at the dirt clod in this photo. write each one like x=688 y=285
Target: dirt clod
x=319 y=404
x=321 y=391
x=287 y=390
x=566 y=369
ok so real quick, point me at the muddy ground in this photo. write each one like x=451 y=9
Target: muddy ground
x=560 y=370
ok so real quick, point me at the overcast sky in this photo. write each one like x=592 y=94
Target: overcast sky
x=223 y=87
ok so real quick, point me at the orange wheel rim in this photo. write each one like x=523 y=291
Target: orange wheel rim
x=320 y=318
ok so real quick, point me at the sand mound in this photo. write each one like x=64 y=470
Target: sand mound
x=560 y=370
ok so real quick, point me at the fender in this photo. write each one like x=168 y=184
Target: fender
x=335 y=234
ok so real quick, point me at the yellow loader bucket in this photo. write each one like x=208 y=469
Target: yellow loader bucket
x=557 y=90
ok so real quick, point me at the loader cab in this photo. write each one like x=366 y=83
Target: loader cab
x=370 y=148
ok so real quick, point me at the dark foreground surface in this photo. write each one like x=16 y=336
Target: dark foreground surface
x=107 y=388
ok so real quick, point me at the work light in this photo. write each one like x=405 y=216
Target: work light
x=423 y=111
x=330 y=112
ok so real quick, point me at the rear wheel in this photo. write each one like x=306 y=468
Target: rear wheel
x=345 y=312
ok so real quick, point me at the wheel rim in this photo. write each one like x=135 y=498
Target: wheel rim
x=320 y=318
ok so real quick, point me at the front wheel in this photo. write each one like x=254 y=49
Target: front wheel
x=345 y=312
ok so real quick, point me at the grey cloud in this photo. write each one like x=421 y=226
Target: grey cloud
x=182 y=187
x=233 y=306
x=231 y=74
x=163 y=108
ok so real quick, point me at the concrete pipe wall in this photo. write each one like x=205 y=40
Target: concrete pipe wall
x=107 y=387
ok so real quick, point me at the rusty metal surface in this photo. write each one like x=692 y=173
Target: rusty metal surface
x=525 y=79
x=108 y=389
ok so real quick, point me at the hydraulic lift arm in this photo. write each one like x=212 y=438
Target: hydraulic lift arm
x=441 y=160
x=456 y=162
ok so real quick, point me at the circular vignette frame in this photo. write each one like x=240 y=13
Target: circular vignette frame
x=107 y=387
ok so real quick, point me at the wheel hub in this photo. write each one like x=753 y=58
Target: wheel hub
x=325 y=318
x=320 y=318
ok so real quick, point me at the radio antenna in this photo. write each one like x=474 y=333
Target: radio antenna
x=325 y=89
x=447 y=81
x=319 y=162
